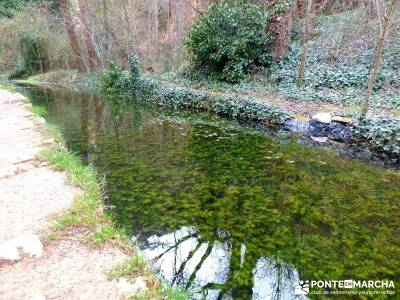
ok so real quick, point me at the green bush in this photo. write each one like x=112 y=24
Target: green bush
x=381 y=133
x=33 y=46
x=138 y=85
x=230 y=38
x=110 y=80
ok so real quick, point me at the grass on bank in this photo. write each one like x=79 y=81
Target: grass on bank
x=87 y=212
x=136 y=266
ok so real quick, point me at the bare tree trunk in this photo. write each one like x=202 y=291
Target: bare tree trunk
x=279 y=27
x=93 y=58
x=378 y=54
x=107 y=28
x=300 y=78
x=70 y=26
x=130 y=47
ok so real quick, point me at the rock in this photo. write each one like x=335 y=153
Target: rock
x=40 y=121
x=43 y=164
x=126 y=288
x=140 y=284
x=322 y=117
x=296 y=125
x=30 y=245
x=342 y=119
x=8 y=252
x=38 y=297
x=320 y=139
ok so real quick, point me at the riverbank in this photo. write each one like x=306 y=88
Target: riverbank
x=379 y=133
x=49 y=192
x=374 y=139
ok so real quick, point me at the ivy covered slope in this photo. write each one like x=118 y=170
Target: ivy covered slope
x=380 y=133
x=142 y=87
x=341 y=52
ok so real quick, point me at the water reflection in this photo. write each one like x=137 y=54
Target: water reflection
x=186 y=260
x=229 y=212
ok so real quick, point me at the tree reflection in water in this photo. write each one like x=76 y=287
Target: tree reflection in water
x=208 y=268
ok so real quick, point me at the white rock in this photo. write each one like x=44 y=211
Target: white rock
x=124 y=287
x=8 y=252
x=140 y=284
x=323 y=117
x=30 y=244
x=128 y=289
x=38 y=297
x=320 y=139
x=40 y=121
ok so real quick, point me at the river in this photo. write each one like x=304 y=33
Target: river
x=227 y=211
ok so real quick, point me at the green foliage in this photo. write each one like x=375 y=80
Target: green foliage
x=337 y=70
x=130 y=268
x=40 y=111
x=7 y=7
x=107 y=232
x=116 y=81
x=382 y=133
x=229 y=38
x=33 y=47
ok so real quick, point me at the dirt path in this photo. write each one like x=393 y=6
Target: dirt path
x=29 y=193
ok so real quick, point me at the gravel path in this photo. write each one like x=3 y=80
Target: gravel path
x=30 y=192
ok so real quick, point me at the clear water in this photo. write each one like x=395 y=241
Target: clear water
x=226 y=211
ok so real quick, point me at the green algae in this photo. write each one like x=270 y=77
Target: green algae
x=327 y=217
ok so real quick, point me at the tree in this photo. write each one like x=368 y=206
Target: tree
x=300 y=78
x=69 y=23
x=280 y=27
x=93 y=58
x=383 y=33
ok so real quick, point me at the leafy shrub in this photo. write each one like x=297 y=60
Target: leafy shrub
x=115 y=80
x=382 y=133
x=136 y=84
x=229 y=38
x=17 y=72
x=7 y=7
x=33 y=46
x=34 y=37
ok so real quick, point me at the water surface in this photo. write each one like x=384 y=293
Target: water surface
x=226 y=211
